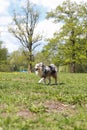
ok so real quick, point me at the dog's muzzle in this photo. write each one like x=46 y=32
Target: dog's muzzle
x=36 y=71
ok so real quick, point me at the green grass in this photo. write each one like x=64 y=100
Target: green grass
x=27 y=105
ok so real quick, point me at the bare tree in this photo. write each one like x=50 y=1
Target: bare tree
x=23 y=27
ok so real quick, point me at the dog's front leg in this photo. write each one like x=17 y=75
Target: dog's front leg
x=42 y=80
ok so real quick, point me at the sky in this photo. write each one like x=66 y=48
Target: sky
x=45 y=27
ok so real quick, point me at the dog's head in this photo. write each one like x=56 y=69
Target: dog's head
x=39 y=68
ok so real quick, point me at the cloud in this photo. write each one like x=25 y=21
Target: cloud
x=46 y=3
x=52 y=3
x=10 y=42
x=4 y=5
x=5 y=20
x=47 y=28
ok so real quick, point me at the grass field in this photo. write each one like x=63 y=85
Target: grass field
x=27 y=105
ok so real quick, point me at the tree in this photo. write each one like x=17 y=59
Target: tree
x=23 y=28
x=3 y=58
x=83 y=10
x=18 y=61
x=72 y=37
x=50 y=52
x=3 y=53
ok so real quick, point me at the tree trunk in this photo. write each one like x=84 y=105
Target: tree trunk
x=73 y=67
x=30 y=67
x=86 y=53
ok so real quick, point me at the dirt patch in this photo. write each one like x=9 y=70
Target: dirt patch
x=25 y=114
x=50 y=106
x=3 y=106
x=55 y=106
x=4 y=114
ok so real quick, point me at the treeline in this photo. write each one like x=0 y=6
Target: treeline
x=16 y=61
x=67 y=48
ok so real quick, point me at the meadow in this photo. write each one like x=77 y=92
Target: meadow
x=27 y=105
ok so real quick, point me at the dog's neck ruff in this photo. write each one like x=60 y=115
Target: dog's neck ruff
x=39 y=72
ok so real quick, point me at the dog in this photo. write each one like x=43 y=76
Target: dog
x=46 y=72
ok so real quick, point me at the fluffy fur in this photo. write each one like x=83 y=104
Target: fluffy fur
x=46 y=72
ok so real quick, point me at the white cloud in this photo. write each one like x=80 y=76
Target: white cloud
x=5 y=20
x=51 y=4
x=47 y=3
x=9 y=41
x=47 y=28
x=4 y=4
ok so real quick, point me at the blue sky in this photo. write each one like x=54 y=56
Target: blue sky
x=46 y=27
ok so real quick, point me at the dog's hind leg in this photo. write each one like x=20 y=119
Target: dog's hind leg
x=49 y=78
x=55 y=79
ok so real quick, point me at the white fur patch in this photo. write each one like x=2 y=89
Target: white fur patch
x=41 y=80
x=36 y=72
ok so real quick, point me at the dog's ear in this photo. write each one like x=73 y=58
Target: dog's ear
x=41 y=64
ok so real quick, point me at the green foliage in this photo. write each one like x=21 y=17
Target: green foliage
x=18 y=61
x=3 y=53
x=71 y=41
x=37 y=108
x=4 y=66
x=26 y=105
